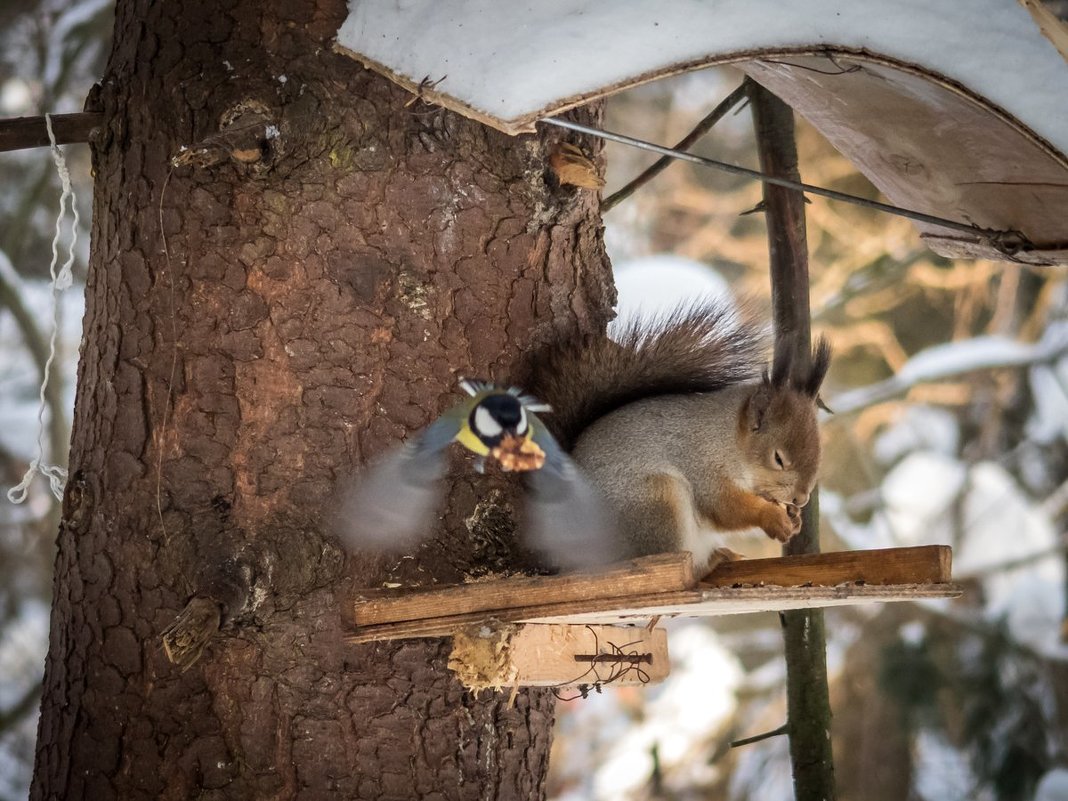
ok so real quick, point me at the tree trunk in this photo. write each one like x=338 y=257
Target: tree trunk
x=333 y=261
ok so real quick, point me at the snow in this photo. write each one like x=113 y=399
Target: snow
x=1049 y=387
x=763 y=771
x=941 y=772
x=919 y=428
x=521 y=60
x=15 y=97
x=609 y=741
x=19 y=378
x=23 y=643
x=1053 y=786
x=658 y=284
x=919 y=496
x=979 y=353
x=951 y=359
x=932 y=498
x=60 y=35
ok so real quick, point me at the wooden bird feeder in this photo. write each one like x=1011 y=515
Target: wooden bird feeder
x=600 y=628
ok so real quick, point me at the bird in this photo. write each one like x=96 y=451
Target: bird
x=391 y=505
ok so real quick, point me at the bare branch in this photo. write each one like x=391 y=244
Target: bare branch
x=756 y=738
x=688 y=141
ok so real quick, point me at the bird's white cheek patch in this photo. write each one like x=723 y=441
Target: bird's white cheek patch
x=485 y=424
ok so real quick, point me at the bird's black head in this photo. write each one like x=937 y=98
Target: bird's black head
x=497 y=415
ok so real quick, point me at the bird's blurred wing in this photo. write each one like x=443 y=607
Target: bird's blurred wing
x=567 y=521
x=391 y=505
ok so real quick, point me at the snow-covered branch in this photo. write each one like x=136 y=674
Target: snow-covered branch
x=943 y=362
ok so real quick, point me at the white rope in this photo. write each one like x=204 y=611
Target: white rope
x=57 y=476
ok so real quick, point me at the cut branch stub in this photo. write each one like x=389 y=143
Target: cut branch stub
x=247 y=134
x=185 y=639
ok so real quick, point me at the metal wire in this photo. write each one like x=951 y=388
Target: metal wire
x=993 y=236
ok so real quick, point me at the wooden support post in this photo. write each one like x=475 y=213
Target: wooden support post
x=808 y=699
x=494 y=655
x=19 y=133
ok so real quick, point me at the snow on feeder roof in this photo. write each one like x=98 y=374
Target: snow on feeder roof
x=952 y=109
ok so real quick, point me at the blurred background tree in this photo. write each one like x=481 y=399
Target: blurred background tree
x=50 y=53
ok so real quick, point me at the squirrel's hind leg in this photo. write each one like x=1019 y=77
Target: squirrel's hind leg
x=660 y=517
x=670 y=515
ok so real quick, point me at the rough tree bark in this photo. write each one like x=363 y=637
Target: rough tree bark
x=332 y=263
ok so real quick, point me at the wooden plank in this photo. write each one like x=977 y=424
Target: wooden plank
x=710 y=602
x=508 y=655
x=445 y=626
x=926 y=564
x=795 y=582
x=650 y=574
x=745 y=600
x=957 y=248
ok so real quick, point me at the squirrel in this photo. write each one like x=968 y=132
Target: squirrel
x=683 y=430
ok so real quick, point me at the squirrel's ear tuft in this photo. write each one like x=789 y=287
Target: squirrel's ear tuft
x=821 y=361
x=805 y=376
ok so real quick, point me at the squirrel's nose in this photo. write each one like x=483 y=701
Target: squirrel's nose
x=801 y=499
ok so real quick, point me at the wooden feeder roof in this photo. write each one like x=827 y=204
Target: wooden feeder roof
x=954 y=109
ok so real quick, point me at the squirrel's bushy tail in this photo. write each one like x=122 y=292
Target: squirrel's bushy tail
x=701 y=347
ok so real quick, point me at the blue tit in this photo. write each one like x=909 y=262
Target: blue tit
x=392 y=505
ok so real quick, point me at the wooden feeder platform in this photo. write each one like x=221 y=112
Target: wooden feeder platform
x=594 y=628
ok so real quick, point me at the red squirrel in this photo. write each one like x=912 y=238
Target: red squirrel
x=683 y=431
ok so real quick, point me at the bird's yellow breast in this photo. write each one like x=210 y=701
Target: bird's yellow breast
x=467 y=438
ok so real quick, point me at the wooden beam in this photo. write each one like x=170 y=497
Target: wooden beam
x=649 y=574
x=24 y=132
x=445 y=626
x=928 y=564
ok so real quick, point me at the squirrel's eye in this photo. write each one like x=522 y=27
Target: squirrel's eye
x=778 y=461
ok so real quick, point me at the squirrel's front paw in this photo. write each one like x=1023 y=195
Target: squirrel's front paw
x=781 y=521
x=793 y=511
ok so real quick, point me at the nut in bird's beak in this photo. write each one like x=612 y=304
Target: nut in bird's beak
x=518 y=454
